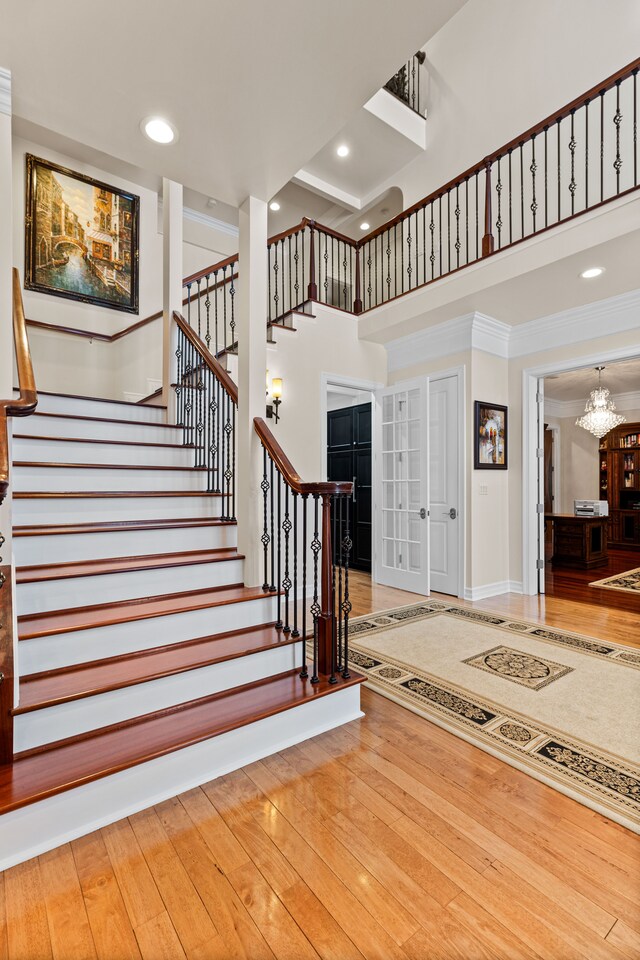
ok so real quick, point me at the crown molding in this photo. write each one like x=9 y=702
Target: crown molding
x=476 y=331
x=188 y=213
x=5 y=91
x=563 y=409
x=473 y=331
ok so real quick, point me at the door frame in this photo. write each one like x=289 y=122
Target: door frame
x=530 y=492
x=368 y=386
x=459 y=372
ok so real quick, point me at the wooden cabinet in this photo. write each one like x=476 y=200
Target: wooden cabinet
x=578 y=541
x=619 y=471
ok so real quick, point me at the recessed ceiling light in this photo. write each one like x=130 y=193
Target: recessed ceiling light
x=343 y=150
x=591 y=273
x=274 y=205
x=212 y=202
x=364 y=226
x=158 y=130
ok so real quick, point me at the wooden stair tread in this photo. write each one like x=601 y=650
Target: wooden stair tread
x=54 y=622
x=116 y=526
x=75 y=396
x=118 y=443
x=81 y=494
x=38 y=573
x=136 y=423
x=105 y=466
x=84 y=680
x=70 y=763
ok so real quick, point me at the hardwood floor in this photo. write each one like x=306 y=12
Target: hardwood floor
x=387 y=839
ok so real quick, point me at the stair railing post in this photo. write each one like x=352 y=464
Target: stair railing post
x=312 y=291
x=488 y=241
x=357 y=303
x=326 y=654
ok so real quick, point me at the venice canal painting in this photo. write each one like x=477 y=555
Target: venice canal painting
x=81 y=237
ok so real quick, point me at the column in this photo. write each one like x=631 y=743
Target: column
x=8 y=631
x=252 y=365
x=171 y=286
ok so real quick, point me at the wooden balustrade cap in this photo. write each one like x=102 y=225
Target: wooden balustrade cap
x=290 y=474
x=216 y=368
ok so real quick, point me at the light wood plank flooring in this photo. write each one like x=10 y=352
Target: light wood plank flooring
x=388 y=838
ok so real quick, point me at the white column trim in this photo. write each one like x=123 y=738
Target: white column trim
x=5 y=91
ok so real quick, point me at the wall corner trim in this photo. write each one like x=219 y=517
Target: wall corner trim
x=5 y=91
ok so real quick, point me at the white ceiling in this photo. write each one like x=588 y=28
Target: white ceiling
x=622 y=377
x=254 y=89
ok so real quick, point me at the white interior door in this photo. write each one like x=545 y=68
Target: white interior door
x=444 y=485
x=402 y=554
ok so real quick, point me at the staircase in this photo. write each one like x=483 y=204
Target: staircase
x=145 y=664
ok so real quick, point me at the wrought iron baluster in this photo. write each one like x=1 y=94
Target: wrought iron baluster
x=284 y=305
x=499 y=192
x=369 y=288
x=546 y=179
x=401 y=256
x=279 y=549
x=296 y=260
x=466 y=215
x=189 y=304
x=199 y=295
x=326 y=267
x=303 y=273
x=424 y=244
x=409 y=268
x=520 y=146
x=264 y=486
x=224 y=306
x=533 y=167
x=233 y=460
x=276 y=268
x=510 y=197
x=477 y=218
x=572 y=149
x=346 y=602
x=272 y=585
x=440 y=231
x=388 y=264
x=290 y=270
x=559 y=172
x=269 y=281
x=215 y=310
x=586 y=154
x=218 y=417
x=304 y=673
x=635 y=127
x=286 y=583
x=456 y=214
x=339 y=539
x=395 y=259
x=617 y=119
x=601 y=145
x=432 y=257
x=295 y=632
x=448 y=231
x=316 y=546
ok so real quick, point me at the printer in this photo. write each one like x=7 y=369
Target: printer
x=591 y=508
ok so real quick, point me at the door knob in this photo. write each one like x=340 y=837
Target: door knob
x=452 y=513
x=423 y=513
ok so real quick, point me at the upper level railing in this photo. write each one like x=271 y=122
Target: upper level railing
x=579 y=158
x=22 y=406
x=407 y=83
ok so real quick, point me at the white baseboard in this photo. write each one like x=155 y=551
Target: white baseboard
x=34 y=829
x=492 y=589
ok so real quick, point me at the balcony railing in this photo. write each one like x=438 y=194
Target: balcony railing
x=407 y=83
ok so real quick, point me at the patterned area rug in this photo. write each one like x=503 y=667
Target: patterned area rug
x=629 y=581
x=564 y=708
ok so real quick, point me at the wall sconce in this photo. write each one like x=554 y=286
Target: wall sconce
x=276 y=395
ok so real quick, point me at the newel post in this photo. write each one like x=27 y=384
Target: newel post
x=357 y=303
x=312 y=292
x=487 y=240
x=326 y=656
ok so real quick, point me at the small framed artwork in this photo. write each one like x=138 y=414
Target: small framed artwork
x=490 y=436
x=81 y=237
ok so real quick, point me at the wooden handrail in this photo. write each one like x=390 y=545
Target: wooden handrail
x=28 y=399
x=288 y=471
x=216 y=368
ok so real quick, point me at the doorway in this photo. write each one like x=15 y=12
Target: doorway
x=446 y=488
x=349 y=458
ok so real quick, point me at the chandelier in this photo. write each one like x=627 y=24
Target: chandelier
x=600 y=412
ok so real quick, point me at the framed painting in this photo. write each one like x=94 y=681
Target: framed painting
x=490 y=436
x=81 y=237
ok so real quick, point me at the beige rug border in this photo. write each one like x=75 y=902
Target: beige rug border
x=606 y=582
x=531 y=765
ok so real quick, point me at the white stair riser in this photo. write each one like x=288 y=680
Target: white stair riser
x=36 y=426
x=81 y=646
x=70 y=479
x=38 y=827
x=66 y=547
x=55 y=510
x=62 y=451
x=61 y=594
x=100 y=408
x=70 y=719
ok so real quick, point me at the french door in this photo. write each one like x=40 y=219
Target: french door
x=402 y=549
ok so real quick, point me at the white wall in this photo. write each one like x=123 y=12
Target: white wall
x=498 y=67
x=76 y=365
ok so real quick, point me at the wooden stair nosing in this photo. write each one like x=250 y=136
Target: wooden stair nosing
x=108 y=494
x=71 y=569
x=57 y=464
x=83 y=680
x=117 y=526
x=63 y=765
x=119 y=443
x=76 y=619
x=75 y=396
x=135 y=423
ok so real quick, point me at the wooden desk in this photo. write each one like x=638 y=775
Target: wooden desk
x=578 y=541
